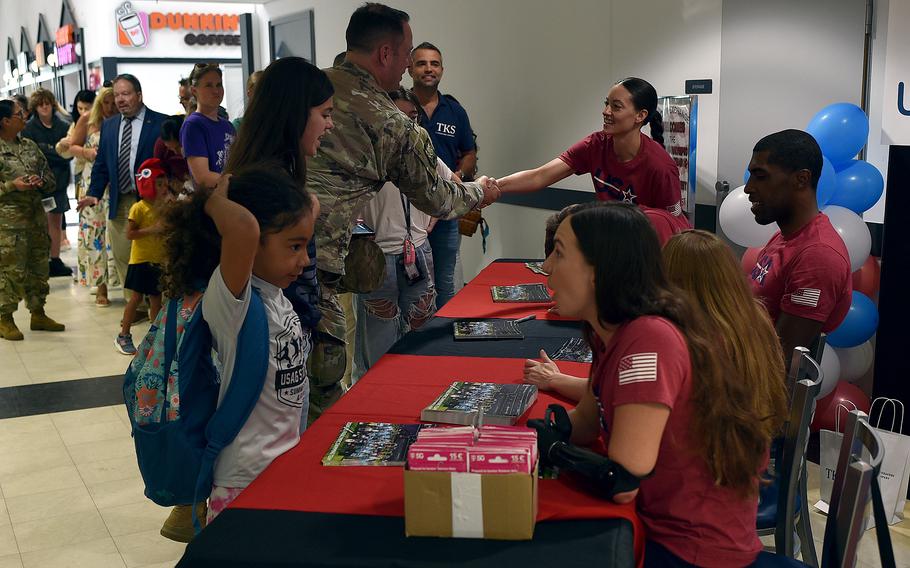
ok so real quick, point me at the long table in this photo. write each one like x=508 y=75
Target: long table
x=300 y=513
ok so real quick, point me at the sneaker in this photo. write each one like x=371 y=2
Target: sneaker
x=124 y=344
x=57 y=268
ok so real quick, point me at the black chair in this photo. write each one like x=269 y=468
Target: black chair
x=783 y=508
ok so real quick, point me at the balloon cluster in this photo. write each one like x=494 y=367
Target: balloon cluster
x=846 y=189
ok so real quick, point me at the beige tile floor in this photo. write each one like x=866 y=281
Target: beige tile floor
x=84 y=350
x=70 y=492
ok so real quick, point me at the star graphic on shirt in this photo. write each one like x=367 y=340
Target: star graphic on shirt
x=628 y=196
x=762 y=267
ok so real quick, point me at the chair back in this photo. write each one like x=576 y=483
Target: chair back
x=805 y=381
x=859 y=462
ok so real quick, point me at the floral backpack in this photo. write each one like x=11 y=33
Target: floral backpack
x=171 y=394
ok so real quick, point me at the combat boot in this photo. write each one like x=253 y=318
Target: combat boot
x=179 y=524
x=8 y=329
x=40 y=322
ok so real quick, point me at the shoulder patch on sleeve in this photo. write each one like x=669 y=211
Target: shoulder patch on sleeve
x=638 y=368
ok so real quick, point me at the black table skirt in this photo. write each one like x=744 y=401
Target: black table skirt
x=261 y=538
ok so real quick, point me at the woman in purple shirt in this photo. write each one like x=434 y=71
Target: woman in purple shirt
x=205 y=136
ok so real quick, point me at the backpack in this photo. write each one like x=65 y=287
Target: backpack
x=178 y=427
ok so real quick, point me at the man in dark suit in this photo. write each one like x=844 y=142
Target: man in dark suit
x=127 y=140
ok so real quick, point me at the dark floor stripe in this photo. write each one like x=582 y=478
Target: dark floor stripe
x=28 y=400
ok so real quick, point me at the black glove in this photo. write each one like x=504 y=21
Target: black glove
x=555 y=427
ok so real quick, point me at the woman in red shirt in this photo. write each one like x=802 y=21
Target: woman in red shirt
x=660 y=391
x=625 y=165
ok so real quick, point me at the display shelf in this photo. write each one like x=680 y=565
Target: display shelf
x=45 y=74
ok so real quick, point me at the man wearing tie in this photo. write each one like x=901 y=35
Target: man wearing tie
x=127 y=140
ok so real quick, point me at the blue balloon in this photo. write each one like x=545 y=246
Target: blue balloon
x=827 y=183
x=841 y=131
x=859 y=186
x=859 y=325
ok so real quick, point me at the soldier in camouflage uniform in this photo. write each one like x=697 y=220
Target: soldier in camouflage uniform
x=25 y=180
x=373 y=142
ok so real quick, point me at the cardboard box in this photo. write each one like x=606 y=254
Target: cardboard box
x=500 y=506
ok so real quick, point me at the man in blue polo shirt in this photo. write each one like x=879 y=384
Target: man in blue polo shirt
x=449 y=128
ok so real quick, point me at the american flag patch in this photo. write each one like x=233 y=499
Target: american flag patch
x=806 y=297
x=675 y=209
x=638 y=368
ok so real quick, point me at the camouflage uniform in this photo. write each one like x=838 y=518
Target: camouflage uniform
x=24 y=242
x=373 y=142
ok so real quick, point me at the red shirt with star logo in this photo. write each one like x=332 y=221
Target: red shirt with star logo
x=647 y=361
x=806 y=275
x=651 y=178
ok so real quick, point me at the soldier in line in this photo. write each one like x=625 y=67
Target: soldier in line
x=24 y=243
x=373 y=142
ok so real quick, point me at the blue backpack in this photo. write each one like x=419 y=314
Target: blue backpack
x=177 y=425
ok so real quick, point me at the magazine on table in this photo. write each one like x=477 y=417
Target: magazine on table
x=489 y=403
x=536 y=267
x=575 y=349
x=372 y=443
x=521 y=293
x=487 y=329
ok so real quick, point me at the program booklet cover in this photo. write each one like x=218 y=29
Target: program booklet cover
x=536 y=268
x=487 y=329
x=500 y=404
x=526 y=293
x=372 y=443
x=576 y=349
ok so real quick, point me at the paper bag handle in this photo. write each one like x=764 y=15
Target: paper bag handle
x=894 y=404
x=842 y=404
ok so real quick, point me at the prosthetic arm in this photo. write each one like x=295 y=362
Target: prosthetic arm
x=606 y=476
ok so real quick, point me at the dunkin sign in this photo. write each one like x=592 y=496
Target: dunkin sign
x=135 y=28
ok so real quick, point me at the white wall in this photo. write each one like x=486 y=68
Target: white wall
x=533 y=75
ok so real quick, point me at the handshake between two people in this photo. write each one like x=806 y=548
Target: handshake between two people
x=491 y=191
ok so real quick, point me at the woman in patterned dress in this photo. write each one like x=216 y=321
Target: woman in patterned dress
x=94 y=257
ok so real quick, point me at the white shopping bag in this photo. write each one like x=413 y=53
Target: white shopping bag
x=895 y=472
x=829 y=450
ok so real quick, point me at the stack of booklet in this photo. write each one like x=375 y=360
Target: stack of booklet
x=521 y=293
x=372 y=443
x=480 y=403
x=488 y=449
x=487 y=329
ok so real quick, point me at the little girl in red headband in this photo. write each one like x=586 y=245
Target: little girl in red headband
x=147 y=251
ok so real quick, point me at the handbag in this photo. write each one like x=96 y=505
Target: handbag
x=468 y=223
x=364 y=266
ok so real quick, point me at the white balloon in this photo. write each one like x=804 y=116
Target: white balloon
x=831 y=370
x=855 y=362
x=739 y=224
x=854 y=232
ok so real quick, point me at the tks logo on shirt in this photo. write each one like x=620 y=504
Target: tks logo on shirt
x=446 y=129
x=290 y=373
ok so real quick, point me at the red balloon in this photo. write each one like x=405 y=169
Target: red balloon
x=826 y=408
x=868 y=277
x=750 y=258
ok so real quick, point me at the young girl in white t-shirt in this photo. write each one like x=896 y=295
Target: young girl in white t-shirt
x=250 y=232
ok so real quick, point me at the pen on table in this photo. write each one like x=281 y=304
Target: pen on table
x=526 y=318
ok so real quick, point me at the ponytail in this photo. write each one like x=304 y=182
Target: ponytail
x=657 y=126
x=644 y=97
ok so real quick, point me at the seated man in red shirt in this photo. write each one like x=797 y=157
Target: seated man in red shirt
x=803 y=274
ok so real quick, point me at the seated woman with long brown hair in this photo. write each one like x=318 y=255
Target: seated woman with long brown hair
x=686 y=400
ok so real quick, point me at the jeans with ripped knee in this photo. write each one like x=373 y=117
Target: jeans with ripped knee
x=395 y=308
